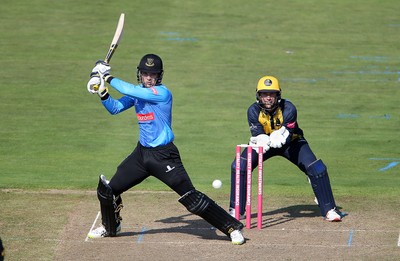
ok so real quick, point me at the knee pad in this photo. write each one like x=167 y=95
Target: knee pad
x=319 y=179
x=201 y=205
x=317 y=169
x=110 y=206
x=195 y=202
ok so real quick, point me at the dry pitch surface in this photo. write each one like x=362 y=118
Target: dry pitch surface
x=157 y=227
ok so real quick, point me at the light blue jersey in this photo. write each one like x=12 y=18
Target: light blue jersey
x=153 y=110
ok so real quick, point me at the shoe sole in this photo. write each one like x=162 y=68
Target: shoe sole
x=334 y=220
x=94 y=237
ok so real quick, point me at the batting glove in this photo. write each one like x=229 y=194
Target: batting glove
x=96 y=85
x=101 y=67
x=93 y=83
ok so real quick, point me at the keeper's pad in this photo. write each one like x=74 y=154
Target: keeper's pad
x=319 y=179
x=201 y=205
x=110 y=207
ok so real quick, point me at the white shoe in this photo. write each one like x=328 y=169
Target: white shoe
x=101 y=232
x=232 y=213
x=333 y=215
x=237 y=237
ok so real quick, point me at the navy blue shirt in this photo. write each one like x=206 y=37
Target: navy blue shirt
x=262 y=122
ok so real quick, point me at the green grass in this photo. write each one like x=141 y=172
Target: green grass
x=338 y=61
x=333 y=59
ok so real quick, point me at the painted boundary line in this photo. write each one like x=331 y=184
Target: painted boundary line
x=350 y=238
x=394 y=162
x=139 y=240
x=389 y=166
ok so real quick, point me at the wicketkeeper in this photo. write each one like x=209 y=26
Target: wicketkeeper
x=155 y=153
x=273 y=125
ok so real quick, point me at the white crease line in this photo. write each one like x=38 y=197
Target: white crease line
x=398 y=241
x=94 y=222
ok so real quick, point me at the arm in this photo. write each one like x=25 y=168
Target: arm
x=252 y=117
x=155 y=94
x=258 y=136
x=284 y=134
x=290 y=119
x=114 y=106
x=101 y=73
x=290 y=116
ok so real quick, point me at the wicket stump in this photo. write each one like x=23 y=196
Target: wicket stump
x=249 y=184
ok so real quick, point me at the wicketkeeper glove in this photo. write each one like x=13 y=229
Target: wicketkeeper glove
x=260 y=140
x=278 y=137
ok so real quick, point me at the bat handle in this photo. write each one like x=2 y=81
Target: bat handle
x=95 y=87
x=110 y=53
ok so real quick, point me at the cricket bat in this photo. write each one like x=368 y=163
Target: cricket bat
x=114 y=42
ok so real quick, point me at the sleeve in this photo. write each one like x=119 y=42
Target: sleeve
x=289 y=115
x=114 y=106
x=290 y=119
x=155 y=94
x=252 y=117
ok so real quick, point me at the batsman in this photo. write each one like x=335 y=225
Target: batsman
x=155 y=153
x=273 y=125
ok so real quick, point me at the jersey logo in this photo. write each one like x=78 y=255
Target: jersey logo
x=169 y=168
x=291 y=125
x=150 y=62
x=145 y=117
x=253 y=127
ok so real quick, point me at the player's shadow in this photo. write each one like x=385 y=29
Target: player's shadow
x=287 y=214
x=185 y=224
x=194 y=225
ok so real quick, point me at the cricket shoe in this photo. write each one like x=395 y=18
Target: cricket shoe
x=101 y=232
x=333 y=215
x=232 y=212
x=237 y=237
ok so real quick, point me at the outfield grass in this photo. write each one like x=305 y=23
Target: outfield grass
x=338 y=62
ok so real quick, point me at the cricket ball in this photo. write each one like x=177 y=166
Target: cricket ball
x=217 y=184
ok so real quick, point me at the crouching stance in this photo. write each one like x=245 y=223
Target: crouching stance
x=273 y=125
x=155 y=154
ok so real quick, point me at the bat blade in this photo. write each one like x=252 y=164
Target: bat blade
x=114 y=43
x=116 y=39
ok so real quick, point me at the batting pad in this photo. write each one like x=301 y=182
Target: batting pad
x=201 y=205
